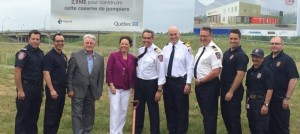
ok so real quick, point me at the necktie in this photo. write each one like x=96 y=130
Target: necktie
x=141 y=55
x=195 y=68
x=169 y=73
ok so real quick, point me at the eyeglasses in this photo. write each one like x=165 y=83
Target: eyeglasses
x=275 y=43
x=59 y=41
x=203 y=36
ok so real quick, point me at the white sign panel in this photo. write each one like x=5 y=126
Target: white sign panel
x=252 y=32
x=100 y=15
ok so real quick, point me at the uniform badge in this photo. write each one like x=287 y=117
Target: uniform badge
x=258 y=75
x=218 y=55
x=21 y=55
x=231 y=57
x=161 y=58
x=278 y=64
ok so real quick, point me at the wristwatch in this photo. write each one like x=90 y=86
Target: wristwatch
x=266 y=104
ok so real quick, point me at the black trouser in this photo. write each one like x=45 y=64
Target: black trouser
x=279 y=117
x=207 y=96
x=176 y=105
x=258 y=124
x=28 y=110
x=54 y=109
x=145 y=91
x=231 y=110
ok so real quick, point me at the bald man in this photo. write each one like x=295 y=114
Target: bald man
x=285 y=74
x=178 y=65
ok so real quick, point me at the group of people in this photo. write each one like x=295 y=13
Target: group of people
x=152 y=74
x=270 y=83
x=82 y=75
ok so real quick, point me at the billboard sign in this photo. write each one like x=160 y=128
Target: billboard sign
x=100 y=15
x=253 y=17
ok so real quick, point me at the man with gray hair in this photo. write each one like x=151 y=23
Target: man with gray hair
x=85 y=84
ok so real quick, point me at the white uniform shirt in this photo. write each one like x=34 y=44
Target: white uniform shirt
x=183 y=62
x=211 y=59
x=149 y=66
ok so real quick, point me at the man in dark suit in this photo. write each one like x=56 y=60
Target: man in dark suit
x=85 y=84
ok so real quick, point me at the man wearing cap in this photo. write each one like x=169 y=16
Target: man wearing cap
x=259 y=82
x=285 y=74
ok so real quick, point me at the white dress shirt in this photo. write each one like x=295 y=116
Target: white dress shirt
x=183 y=62
x=211 y=59
x=149 y=66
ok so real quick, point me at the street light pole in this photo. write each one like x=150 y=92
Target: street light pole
x=45 y=21
x=3 y=22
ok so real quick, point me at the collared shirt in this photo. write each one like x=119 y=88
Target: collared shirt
x=31 y=61
x=210 y=60
x=183 y=62
x=283 y=68
x=149 y=66
x=259 y=80
x=90 y=61
x=56 y=64
x=233 y=61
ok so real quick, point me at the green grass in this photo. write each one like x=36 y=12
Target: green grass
x=108 y=43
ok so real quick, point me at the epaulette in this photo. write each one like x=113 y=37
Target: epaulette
x=167 y=44
x=187 y=44
x=24 y=49
x=157 y=50
x=215 y=48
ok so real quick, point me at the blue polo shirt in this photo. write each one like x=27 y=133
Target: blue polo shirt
x=232 y=62
x=283 y=68
x=56 y=64
x=259 y=80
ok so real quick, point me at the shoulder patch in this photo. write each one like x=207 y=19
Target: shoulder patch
x=161 y=58
x=21 y=55
x=218 y=54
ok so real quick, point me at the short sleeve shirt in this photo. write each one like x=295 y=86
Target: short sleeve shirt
x=283 y=68
x=56 y=64
x=31 y=61
x=259 y=80
x=233 y=61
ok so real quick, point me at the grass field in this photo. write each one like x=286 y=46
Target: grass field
x=108 y=43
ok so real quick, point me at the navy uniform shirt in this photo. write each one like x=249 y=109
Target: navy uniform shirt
x=233 y=61
x=283 y=68
x=259 y=80
x=31 y=61
x=56 y=64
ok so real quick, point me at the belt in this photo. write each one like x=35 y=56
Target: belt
x=147 y=80
x=176 y=78
x=253 y=96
